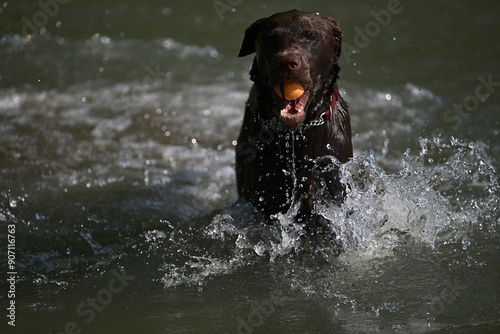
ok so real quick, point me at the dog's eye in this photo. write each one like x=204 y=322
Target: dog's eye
x=270 y=38
x=310 y=36
x=271 y=43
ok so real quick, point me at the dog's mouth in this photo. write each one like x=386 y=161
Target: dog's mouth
x=292 y=113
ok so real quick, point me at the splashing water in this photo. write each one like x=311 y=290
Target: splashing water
x=422 y=204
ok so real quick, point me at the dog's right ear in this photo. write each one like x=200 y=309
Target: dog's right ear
x=251 y=33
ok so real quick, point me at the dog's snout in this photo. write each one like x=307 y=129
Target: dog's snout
x=290 y=61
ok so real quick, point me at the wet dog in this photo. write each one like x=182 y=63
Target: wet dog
x=289 y=151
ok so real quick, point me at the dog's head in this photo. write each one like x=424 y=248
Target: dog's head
x=295 y=46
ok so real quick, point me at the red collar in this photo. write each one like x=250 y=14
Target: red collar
x=335 y=98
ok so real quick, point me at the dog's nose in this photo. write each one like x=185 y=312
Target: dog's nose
x=290 y=61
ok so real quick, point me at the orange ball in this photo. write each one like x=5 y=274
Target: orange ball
x=291 y=90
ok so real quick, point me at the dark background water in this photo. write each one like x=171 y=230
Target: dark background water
x=117 y=129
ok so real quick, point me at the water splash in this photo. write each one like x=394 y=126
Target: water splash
x=421 y=204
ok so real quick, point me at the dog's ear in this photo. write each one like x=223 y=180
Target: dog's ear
x=248 y=44
x=337 y=35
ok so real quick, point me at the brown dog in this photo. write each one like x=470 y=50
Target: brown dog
x=288 y=152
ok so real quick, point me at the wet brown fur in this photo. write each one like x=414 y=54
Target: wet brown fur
x=277 y=168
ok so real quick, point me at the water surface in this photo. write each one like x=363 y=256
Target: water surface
x=117 y=134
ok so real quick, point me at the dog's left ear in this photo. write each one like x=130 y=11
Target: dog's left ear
x=337 y=35
x=248 y=44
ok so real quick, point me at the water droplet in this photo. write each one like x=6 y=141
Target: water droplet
x=40 y=216
x=166 y=11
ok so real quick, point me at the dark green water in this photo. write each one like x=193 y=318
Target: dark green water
x=117 y=129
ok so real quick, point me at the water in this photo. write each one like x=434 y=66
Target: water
x=117 y=130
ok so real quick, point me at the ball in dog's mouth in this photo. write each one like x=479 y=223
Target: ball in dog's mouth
x=289 y=90
x=291 y=101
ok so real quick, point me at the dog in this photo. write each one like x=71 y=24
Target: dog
x=288 y=152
